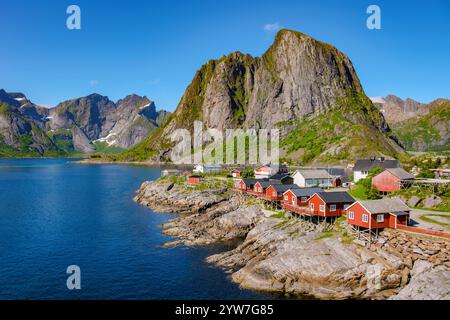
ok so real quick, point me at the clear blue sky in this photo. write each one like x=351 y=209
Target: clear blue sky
x=153 y=48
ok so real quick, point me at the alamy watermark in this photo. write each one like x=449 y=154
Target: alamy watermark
x=232 y=146
x=73 y=21
x=374 y=20
x=74 y=280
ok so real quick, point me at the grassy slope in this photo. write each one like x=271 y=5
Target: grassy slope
x=414 y=132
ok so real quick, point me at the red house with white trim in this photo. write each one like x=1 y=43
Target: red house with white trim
x=378 y=214
x=275 y=191
x=236 y=173
x=390 y=180
x=261 y=186
x=299 y=196
x=245 y=184
x=330 y=204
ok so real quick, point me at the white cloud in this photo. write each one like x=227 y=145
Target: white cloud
x=93 y=83
x=272 y=27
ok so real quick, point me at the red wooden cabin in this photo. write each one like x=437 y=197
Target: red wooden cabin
x=245 y=184
x=390 y=180
x=236 y=173
x=194 y=179
x=299 y=196
x=275 y=191
x=261 y=187
x=330 y=204
x=378 y=214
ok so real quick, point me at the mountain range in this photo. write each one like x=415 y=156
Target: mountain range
x=81 y=125
x=418 y=126
x=306 y=88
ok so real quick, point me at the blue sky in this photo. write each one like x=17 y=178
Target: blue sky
x=153 y=48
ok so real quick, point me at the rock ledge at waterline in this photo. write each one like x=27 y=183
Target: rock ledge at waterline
x=297 y=258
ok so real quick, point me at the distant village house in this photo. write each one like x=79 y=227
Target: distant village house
x=362 y=167
x=312 y=178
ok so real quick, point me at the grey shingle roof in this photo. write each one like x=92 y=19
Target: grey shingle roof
x=385 y=205
x=314 y=173
x=367 y=164
x=336 y=197
x=284 y=187
x=306 y=192
x=400 y=173
x=265 y=184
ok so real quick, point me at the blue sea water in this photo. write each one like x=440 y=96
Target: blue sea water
x=54 y=213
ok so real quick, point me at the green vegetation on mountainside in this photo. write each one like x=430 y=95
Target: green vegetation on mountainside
x=427 y=133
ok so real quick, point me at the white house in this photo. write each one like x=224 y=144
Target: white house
x=362 y=167
x=312 y=178
x=206 y=168
x=270 y=170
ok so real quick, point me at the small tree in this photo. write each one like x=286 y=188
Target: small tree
x=248 y=173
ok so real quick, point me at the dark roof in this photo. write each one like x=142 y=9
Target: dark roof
x=250 y=181
x=279 y=176
x=367 y=164
x=284 y=187
x=306 y=192
x=336 y=197
x=265 y=184
x=195 y=176
x=400 y=173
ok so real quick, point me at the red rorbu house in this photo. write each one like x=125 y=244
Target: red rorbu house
x=261 y=186
x=275 y=191
x=330 y=204
x=236 y=173
x=378 y=214
x=245 y=184
x=299 y=197
x=390 y=180
x=194 y=179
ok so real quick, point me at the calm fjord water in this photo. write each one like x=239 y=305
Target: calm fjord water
x=54 y=213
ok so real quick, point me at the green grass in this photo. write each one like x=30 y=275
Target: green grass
x=429 y=218
x=279 y=215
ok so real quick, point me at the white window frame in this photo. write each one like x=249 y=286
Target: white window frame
x=322 y=208
x=294 y=201
x=351 y=215
x=333 y=208
x=365 y=217
x=286 y=198
x=304 y=198
x=311 y=205
x=380 y=218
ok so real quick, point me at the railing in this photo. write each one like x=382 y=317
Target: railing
x=297 y=209
x=424 y=231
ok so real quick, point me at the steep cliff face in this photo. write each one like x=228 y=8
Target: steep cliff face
x=297 y=79
x=19 y=135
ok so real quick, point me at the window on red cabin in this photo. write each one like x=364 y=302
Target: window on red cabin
x=332 y=207
x=322 y=208
x=380 y=218
x=312 y=206
x=304 y=199
x=286 y=198
x=293 y=200
x=365 y=218
x=351 y=215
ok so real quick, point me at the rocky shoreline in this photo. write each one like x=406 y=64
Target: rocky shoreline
x=298 y=258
